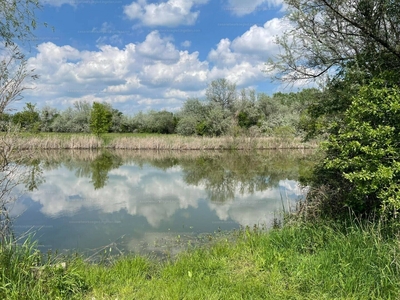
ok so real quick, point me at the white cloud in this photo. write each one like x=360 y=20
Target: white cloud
x=171 y=13
x=153 y=73
x=261 y=40
x=243 y=60
x=156 y=48
x=186 y=44
x=241 y=8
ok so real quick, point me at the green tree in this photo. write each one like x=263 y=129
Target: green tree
x=355 y=42
x=100 y=119
x=246 y=107
x=192 y=117
x=333 y=35
x=47 y=117
x=28 y=119
x=222 y=92
x=73 y=119
x=17 y=23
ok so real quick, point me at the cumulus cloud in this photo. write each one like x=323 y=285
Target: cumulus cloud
x=243 y=60
x=156 y=48
x=261 y=40
x=171 y=13
x=241 y=8
x=151 y=74
x=153 y=69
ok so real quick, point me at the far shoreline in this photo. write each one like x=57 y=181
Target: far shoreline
x=53 y=141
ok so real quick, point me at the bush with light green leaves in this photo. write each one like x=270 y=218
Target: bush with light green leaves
x=362 y=166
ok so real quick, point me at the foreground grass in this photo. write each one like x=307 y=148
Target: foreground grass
x=298 y=261
x=154 y=141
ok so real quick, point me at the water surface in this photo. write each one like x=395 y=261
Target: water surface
x=152 y=201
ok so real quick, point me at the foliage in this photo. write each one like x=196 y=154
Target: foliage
x=28 y=119
x=18 y=21
x=362 y=165
x=100 y=119
x=73 y=119
x=356 y=44
x=247 y=111
x=192 y=118
x=162 y=122
x=222 y=92
x=327 y=36
x=264 y=114
x=155 y=122
x=47 y=116
x=188 y=125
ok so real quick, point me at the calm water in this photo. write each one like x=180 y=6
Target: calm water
x=152 y=201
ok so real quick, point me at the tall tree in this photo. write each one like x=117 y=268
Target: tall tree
x=331 y=35
x=29 y=118
x=356 y=43
x=17 y=23
x=222 y=92
x=100 y=118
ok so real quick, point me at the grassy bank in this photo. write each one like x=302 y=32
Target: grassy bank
x=154 y=142
x=298 y=261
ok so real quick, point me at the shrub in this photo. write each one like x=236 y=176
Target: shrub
x=362 y=166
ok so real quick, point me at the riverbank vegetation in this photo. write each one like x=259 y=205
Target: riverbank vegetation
x=300 y=260
x=52 y=141
x=224 y=112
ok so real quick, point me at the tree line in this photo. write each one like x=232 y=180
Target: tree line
x=224 y=111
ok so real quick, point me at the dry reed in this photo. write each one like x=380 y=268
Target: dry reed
x=167 y=142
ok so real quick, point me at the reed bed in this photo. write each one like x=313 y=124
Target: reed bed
x=36 y=142
x=157 y=142
x=207 y=143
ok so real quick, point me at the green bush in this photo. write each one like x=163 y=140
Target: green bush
x=362 y=166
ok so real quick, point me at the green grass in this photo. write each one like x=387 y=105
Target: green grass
x=298 y=261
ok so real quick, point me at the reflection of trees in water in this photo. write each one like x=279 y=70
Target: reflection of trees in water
x=226 y=173
x=94 y=165
x=16 y=168
x=96 y=169
x=100 y=167
x=233 y=172
x=223 y=174
x=33 y=176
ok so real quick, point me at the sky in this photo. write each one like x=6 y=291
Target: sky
x=141 y=55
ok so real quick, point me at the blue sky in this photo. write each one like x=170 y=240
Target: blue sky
x=141 y=55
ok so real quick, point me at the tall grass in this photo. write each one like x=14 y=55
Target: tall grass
x=298 y=261
x=26 y=274
x=157 y=142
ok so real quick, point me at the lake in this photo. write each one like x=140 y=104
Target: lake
x=149 y=201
